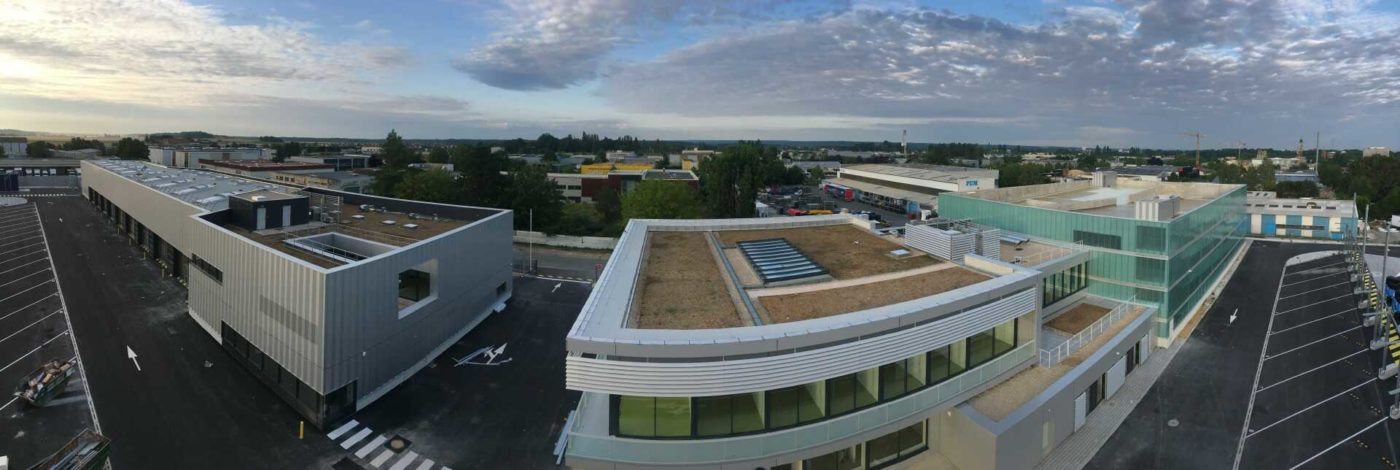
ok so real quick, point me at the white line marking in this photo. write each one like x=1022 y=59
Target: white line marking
x=374 y=444
x=1318 y=268
x=22 y=240
x=1309 y=322
x=1348 y=294
x=21 y=309
x=21 y=248
x=1329 y=286
x=63 y=305
x=1309 y=371
x=26 y=276
x=403 y=462
x=355 y=438
x=1319 y=340
x=1334 y=446
x=1249 y=409
x=1324 y=276
x=31 y=351
x=344 y=428
x=1314 y=405
x=15 y=230
x=36 y=322
x=426 y=464
x=7 y=404
x=381 y=458
x=26 y=234
x=36 y=286
x=25 y=264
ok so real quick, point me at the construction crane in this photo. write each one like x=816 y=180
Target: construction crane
x=1239 y=154
x=1198 y=136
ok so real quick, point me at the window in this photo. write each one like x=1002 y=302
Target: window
x=979 y=348
x=730 y=414
x=852 y=392
x=414 y=285
x=653 y=416
x=896 y=445
x=1134 y=357
x=1101 y=240
x=796 y=405
x=1057 y=286
x=845 y=459
x=901 y=377
x=1004 y=337
x=208 y=269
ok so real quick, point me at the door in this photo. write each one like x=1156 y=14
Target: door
x=261 y=218
x=1114 y=379
x=286 y=216
x=1081 y=408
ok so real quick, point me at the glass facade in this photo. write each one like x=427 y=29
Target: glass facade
x=747 y=413
x=876 y=453
x=1166 y=264
x=1056 y=286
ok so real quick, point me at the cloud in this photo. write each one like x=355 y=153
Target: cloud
x=1164 y=63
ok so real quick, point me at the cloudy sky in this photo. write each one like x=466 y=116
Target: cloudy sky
x=1057 y=72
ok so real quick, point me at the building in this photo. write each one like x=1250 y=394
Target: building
x=190 y=157
x=345 y=162
x=39 y=166
x=79 y=154
x=15 y=146
x=1270 y=216
x=606 y=168
x=619 y=155
x=331 y=299
x=1366 y=152
x=584 y=187
x=262 y=169
x=691 y=159
x=1287 y=176
x=907 y=188
x=1147 y=172
x=815 y=343
x=1157 y=243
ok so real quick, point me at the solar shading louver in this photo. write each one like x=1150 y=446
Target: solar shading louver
x=776 y=260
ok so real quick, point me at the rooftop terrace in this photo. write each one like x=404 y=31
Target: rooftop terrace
x=1116 y=201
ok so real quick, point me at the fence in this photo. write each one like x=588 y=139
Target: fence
x=565 y=241
x=1052 y=356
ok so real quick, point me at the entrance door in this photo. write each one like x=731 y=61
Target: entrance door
x=1081 y=409
x=262 y=218
x=286 y=216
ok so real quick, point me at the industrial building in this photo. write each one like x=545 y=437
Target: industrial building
x=1158 y=243
x=1270 y=216
x=907 y=188
x=14 y=146
x=820 y=343
x=345 y=162
x=330 y=298
x=190 y=157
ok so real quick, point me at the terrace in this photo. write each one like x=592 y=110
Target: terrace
x=1117 y=200
x=357 y=234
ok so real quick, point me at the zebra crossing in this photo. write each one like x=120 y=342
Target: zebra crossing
x=375 y=450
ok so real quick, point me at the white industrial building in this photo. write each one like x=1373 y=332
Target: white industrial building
x=330 y=298
x=190 y=157
x=15 y=146
x=906 y=188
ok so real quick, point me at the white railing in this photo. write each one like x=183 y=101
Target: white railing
x=1052 y=356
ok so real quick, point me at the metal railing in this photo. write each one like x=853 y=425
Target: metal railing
x=653 y=452
x=1053 y=356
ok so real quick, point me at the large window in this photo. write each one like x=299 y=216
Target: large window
x=1056 y=286
x=896 y=445
x=414 y=285
x=208 y=269
x=799 y=405
x=845 y=459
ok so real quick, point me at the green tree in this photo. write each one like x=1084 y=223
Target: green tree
x=429 y=185
x=287 y=150
x=531 y=189
x=730 y=181
x=79 y=143
x=132 y=149
x=815 y=175
x=438 y=155
x=657 y=199
x=394 y=152
x=483 y=181
x=386 y=178
x=579 y=218
x=608 y=203
x=1388 y=206
x=2 y=152
x=38 y=149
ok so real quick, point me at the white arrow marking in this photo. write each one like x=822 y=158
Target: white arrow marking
x=132 y=355
x=556 y=287
x=1233 y=315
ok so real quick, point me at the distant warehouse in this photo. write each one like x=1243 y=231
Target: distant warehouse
x=330 y=298
x=1270 y=216
x=906 y=188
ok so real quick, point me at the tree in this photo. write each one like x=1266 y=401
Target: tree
x=815 y=175
x=657 y=199
x=79 y=143
x=608 y=203
x=429 y=185
x=287 y=150
x=579 y=219
x=1389 y=205
x=132 y=149
x=38 y=149
x=394 y=152
x=1296 y=189
x=531 y=189
x=730 y=180
x=483 y=180
x=438 y=155
x=2 y=152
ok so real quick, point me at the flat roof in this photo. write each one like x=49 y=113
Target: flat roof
x=265 y=165
x=19 y=162
x=887 y=191
x=1260 y=204
x=265 y=194
x=941 y=173
x=1117 y=201
x=206 y=189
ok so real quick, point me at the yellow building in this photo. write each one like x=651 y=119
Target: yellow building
x=605 y=168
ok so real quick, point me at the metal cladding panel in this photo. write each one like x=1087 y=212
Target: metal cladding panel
x=275 y=301
x=366 y=338
x=947 y=244
x=697 y=379
x=160 y=213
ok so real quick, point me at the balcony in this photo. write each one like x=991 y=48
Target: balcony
x=602 y=447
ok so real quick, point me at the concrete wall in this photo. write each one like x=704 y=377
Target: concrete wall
x=565 y=241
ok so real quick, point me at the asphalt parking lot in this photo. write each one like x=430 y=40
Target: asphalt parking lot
x=478 y=416
x=1279 y=350
x=34 y=330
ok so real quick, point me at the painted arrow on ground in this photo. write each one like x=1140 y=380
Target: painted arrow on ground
x=1233 y=315
x=132 y=355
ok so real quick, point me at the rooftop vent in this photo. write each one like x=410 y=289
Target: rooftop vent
x=410 y=226
x=388 y=222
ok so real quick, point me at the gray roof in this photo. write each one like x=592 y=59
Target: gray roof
x=30 y=162
x=205 y=189
x=1145 y=170
x=943 y=173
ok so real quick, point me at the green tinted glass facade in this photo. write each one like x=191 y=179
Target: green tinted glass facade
x=1166 y=264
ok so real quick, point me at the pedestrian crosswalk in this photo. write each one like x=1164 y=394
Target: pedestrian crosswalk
x=376 y=451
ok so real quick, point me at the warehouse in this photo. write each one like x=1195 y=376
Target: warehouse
x=816 y=342
x=1270 y=216
x=907 y=188
x=330 y=298
x=1158 y=243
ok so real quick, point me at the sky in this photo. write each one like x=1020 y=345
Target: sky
x=1035 y=72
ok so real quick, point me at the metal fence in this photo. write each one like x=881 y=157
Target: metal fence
x=1052 y=356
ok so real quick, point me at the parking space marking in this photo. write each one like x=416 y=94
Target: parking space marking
x=16 y=230
x=344 y=428
x=1348 y=294
x=1343 y=358
x=1324 y=276
x=1314 y=405
x=8 y=403
x=1339 y=443
x=22 y=240
x=355 y=438
x=36 y=286
x=36 y=322
x=1258 y=370
x=1318 y=289
x=7 y=271
x=21 y=237
x=1309 y=322
x=68 y=321
x=1319 y=340
x=26 y=276
x=1318 y=268
x=32 y=351
x=23 y=247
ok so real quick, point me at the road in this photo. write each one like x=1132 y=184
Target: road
x=567 y=264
